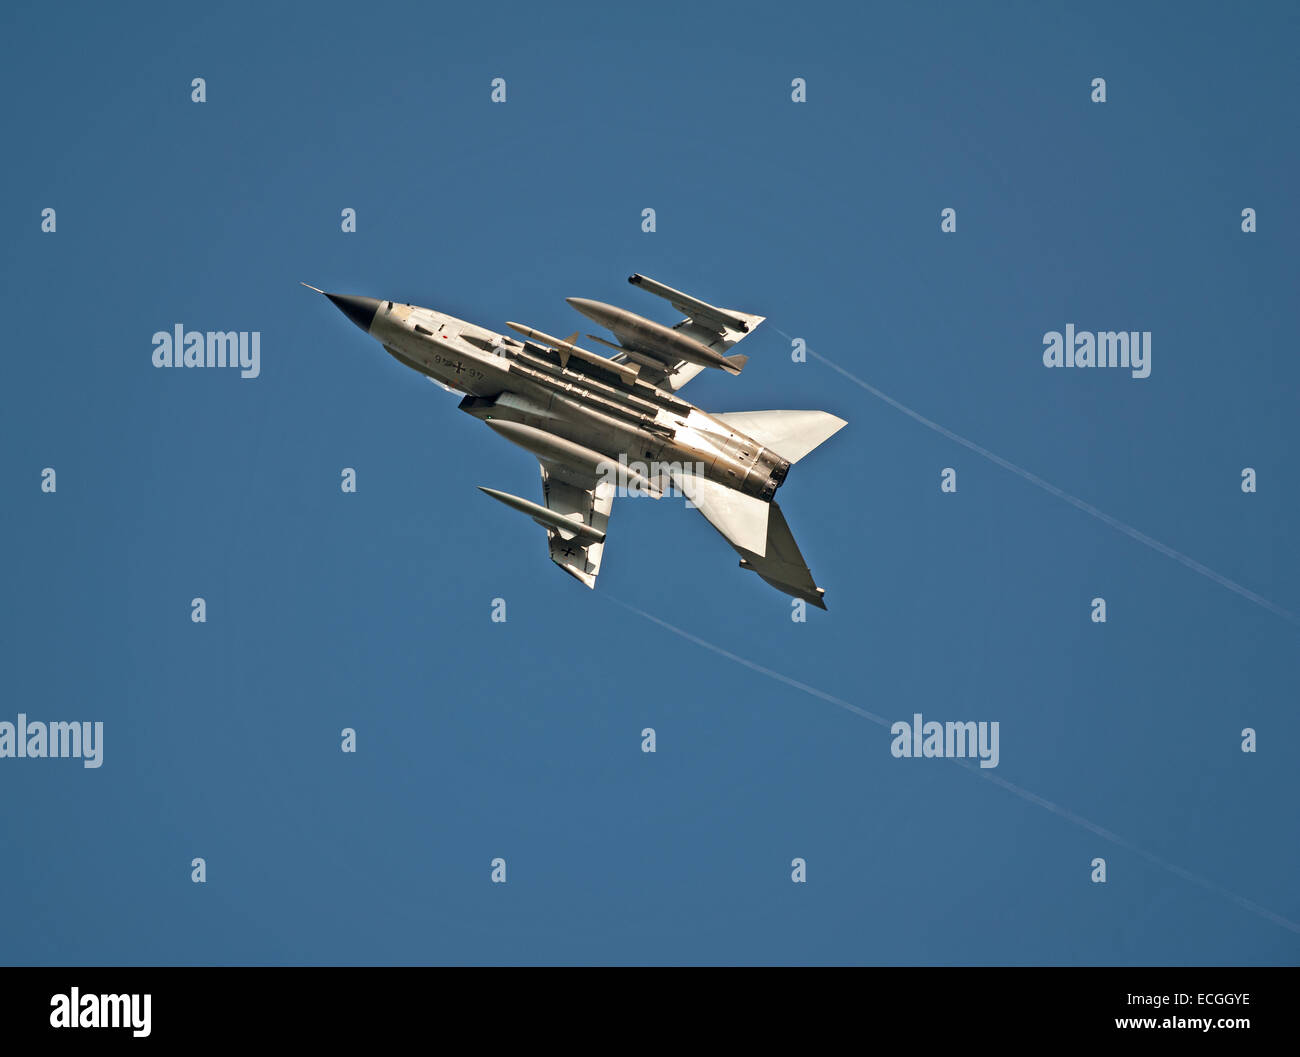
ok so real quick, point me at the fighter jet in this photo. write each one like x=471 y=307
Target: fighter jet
x=606 y=425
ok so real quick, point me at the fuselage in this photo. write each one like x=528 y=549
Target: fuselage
x=504 y=378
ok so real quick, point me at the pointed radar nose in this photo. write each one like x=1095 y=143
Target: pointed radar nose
x=361 y=310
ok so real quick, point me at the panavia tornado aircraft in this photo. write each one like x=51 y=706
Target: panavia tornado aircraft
x=601 y=424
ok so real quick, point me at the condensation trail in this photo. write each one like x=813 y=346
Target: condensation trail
x=987 y=774
x=1051 y=489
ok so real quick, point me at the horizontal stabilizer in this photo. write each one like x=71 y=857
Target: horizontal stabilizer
x=740 y=518
x=791 y=434
x=759 y=533
x=783 y=566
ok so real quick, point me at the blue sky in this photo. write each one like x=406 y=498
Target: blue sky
x=522 y=739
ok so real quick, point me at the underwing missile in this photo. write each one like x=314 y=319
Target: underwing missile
x=645 y=335
x=549 y=446
x=567 y=528
x=566 y=348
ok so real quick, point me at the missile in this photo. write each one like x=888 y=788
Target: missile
x=647 y=336
x=566 y=348
x=550 y=446
x=567 y=528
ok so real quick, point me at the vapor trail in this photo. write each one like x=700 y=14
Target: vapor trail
x=1011 y=787
x=1051 y=489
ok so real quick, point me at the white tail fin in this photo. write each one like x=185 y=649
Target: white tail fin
x=791 y=434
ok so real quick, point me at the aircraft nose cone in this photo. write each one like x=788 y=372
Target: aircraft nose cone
x=361 y=310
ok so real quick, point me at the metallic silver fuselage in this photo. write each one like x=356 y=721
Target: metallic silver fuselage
x=522 y=382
